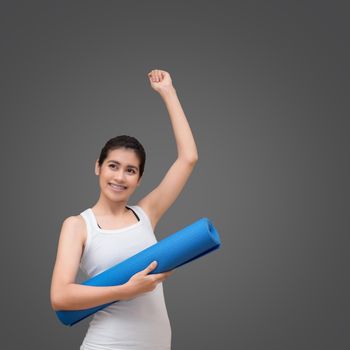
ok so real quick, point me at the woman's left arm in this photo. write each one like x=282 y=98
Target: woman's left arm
x=163 y=196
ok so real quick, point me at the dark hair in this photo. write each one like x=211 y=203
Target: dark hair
x=124 y=141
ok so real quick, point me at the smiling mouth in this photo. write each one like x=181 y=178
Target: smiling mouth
x=117 y=187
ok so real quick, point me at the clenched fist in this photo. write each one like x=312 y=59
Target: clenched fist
x=160 y=80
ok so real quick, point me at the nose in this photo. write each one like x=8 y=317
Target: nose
x=119 y=176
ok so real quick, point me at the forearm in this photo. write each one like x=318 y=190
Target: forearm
x=77 y=296
x=186 y=146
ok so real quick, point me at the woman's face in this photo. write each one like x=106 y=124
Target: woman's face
x=121 y=167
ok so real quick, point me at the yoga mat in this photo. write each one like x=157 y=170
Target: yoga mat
x=177 y=249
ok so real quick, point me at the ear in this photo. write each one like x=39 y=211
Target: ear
x=97 y=168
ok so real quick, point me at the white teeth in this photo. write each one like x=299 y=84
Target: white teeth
x=118 y=187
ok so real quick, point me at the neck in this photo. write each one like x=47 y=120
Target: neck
x=104 y=206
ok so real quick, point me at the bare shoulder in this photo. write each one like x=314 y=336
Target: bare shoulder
x=75 y=224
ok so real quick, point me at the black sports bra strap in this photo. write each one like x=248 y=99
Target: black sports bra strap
x=138 y=219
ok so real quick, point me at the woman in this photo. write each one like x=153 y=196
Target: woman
x=111 y=231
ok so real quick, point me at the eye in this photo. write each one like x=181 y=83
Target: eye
x=132 y=170
x=112 y=165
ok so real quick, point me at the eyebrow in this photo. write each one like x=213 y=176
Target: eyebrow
x=129 y=165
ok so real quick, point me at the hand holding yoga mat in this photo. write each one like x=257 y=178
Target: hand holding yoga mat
x=179 y=248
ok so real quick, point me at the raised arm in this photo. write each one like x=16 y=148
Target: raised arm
x=157 y=202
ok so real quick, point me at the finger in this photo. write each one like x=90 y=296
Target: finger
x=151 y=75
x=169 y=273
x=162 y=276
x=151 y=267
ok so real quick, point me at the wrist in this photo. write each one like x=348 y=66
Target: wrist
x=125 y=291
x=167 y=92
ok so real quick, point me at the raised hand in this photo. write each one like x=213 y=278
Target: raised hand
x=160 y=80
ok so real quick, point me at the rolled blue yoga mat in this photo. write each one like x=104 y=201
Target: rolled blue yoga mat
x=177 y=249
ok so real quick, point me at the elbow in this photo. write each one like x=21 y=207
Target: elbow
x=57 y=302
x=55 y=305
x=192 y=160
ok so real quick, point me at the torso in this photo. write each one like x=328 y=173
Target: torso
x=140 y=322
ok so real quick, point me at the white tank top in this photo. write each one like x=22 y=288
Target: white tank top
x=140 y=323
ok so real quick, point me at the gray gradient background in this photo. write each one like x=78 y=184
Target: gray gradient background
x=265 y=88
